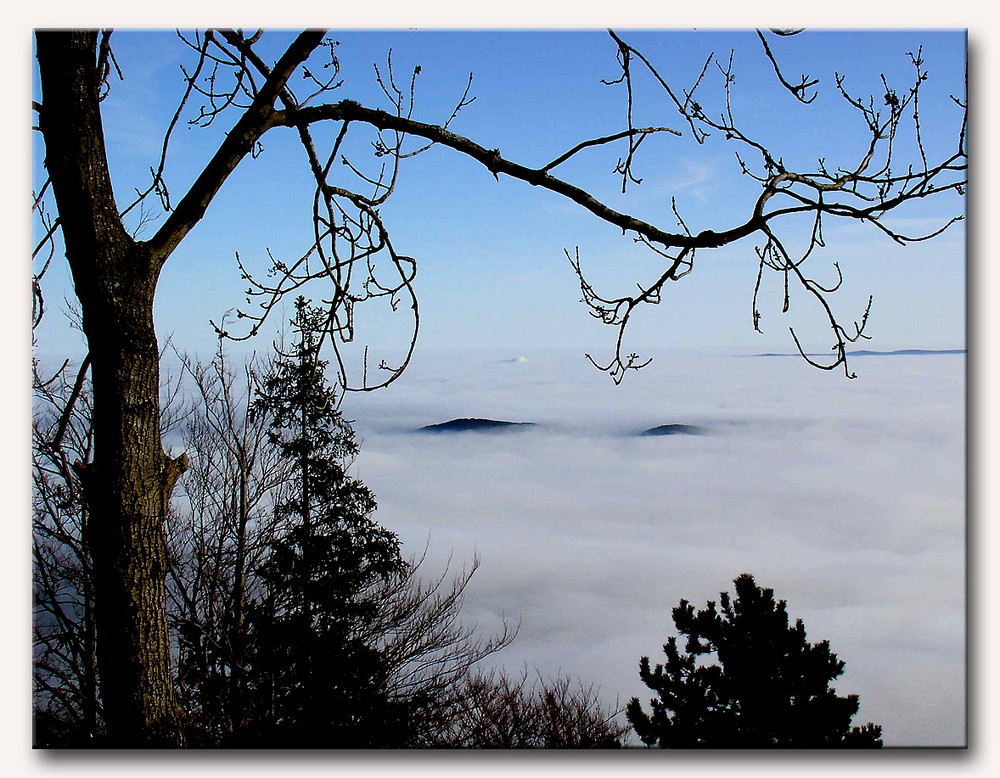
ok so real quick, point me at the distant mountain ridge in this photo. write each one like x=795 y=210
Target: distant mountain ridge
x=475 y=425
x=870 y=353
x=673 y=429
x=496 y=426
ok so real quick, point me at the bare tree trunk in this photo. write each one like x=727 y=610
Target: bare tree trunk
x=128 y=484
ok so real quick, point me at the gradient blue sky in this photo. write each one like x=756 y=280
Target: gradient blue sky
x=491 y=269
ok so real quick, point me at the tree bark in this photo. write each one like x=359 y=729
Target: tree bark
x=128 y=484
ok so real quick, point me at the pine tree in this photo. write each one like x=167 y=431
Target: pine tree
x=770 y=688
x=318 y=684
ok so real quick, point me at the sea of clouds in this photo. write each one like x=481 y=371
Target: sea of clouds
x=845 y=497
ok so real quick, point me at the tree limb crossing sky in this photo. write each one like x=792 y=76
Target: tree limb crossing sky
x=490 y=255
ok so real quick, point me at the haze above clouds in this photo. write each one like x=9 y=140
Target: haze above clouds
x=846 y=497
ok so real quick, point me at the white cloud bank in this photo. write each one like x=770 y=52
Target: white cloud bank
x=846 y=497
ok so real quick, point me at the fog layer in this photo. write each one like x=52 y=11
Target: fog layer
x=846 y=497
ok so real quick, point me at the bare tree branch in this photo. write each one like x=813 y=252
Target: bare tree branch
x=238 y=143
x=799 y=90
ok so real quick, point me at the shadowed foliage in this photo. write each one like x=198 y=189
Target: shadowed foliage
x=498 y=710
x=769 y=689
x=316 y=682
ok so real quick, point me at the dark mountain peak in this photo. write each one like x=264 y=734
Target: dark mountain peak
x=475 y=425
x=673 y=429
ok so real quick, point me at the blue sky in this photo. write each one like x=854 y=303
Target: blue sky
x=491 y=269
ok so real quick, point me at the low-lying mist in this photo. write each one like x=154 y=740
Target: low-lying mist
x=846 y=497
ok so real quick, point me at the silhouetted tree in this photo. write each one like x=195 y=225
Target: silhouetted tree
x=770 y=688
x=219 y=529
x=66 y=695
x=497 y=710
x=66 y=704
x=318 y=683
x=429 y=652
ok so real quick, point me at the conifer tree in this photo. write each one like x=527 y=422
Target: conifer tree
x=770 y=688
x=318 y=683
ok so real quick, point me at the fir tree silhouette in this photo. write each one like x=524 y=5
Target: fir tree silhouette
x=770 y=688
x=318 y=683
